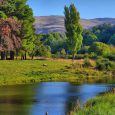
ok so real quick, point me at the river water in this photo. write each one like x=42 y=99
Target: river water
x=56 y=98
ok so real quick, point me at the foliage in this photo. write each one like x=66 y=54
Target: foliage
x=87 y=63
x=44 y=51
x=9 y=34
x=80 y=56
x=104 y=32
x=56 y=41
x=104 y=64
x=111 y=57
x=84 y=50
x=100 y=49
x=19 y=10
x=100 y=105
x=73 y=29
x=2 y=15
x=63 y=53
x=88 y=37
x=112 y=40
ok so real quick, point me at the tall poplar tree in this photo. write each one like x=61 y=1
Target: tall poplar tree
x=73 y=29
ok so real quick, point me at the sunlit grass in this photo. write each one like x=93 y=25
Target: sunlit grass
x=32 y=71
x=100 y=105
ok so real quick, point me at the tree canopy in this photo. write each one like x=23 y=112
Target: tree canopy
x=19 y=10
x=73 y=29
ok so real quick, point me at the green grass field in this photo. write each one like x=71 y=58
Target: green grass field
x=33 y=71
x=100 y=105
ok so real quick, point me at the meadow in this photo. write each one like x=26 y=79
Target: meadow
x=34 y=71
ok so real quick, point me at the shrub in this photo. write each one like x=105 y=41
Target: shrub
x=58 y=55
x=44 y=51
x=63 y=53
x=87 y=63
x=82 y=56
x=84 y=50
x=92 y=55
x=111 y=57
x=79 y=56
x=104 y=64
x=100 y=49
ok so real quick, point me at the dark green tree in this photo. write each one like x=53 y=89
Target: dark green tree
x=56 y=41
x=112 y=40
x=104 y=32
x=88 y=38
x=18 y=9
x=73 y=29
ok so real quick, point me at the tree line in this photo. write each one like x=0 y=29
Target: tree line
x=18 y=37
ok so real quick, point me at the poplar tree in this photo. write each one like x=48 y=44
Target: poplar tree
x=73 y=29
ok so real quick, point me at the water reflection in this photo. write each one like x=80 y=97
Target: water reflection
x=16 y=100
x=56 y=98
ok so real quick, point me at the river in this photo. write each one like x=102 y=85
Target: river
x=56 y=98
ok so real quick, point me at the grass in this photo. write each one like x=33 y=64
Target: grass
x=33 y=71
x=100 y=105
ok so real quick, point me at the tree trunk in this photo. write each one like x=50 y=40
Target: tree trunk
x=6 y=55
x=32 y=57
x=16 y=54
x=25 y=56
x=73 y=57
x=11 y=55
x=22 y=57
x=67 y=55
x=3 y=55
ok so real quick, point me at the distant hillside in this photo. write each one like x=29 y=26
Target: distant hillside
x=46 y=24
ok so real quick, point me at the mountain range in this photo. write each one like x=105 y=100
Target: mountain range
x=47 y=24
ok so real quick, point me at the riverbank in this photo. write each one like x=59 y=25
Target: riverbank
x=100 y=105
x=34 y=71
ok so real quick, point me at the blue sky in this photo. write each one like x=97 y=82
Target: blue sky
x=88 y=8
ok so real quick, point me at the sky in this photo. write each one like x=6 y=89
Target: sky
x=88 y=9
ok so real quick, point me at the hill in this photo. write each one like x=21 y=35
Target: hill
x=46 y=24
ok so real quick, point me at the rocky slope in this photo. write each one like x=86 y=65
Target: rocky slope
x=46 y=24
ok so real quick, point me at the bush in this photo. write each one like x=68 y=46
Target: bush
x=92 y=55
x=79 y=56
x=104 y=64
x=87 y=63
x=82 y=56
x=100 y=49
x=111 y=57
x=63 y=53
x=44 y=51
x=84 y=50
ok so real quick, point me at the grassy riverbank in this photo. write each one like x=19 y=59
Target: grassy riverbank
x=33 y=71
x=100 y=105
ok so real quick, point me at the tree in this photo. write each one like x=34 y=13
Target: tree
x=104 y=32
x=28 y=38
x=9 y=36
x=56 y=41
x=73 y=29
x=18 y=9
x=112 y=40
x=88 y=37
